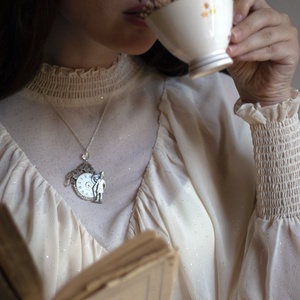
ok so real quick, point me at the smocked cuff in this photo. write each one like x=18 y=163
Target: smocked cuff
x=276 y=139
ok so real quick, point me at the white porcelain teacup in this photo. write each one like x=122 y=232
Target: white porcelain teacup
x=195 y=31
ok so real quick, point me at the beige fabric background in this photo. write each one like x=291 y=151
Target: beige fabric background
x=292 y=8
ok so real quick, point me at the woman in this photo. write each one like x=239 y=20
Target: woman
x=176 y=159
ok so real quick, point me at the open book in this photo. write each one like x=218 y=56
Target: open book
x=142 y=268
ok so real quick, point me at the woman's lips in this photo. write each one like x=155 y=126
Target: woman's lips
x=134 y=15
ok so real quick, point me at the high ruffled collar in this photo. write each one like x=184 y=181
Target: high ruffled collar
x=75 y=87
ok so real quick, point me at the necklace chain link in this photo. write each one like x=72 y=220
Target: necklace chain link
x=85 y=156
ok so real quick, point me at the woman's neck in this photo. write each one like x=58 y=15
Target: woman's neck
x=70 y=47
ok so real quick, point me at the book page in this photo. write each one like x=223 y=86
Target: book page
x=152 y=281
x=7 y=292
x=16 y=262
x=134 y=255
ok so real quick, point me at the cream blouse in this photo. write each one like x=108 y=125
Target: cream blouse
x=193 y=181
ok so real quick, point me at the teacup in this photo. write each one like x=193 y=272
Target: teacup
x=195 y=31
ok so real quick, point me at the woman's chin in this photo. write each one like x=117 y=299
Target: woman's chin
x=139 y=49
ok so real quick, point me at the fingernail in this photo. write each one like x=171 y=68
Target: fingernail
x=237 y=19
x=232 y=48
x=236 y=33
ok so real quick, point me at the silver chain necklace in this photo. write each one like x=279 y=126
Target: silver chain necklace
x=87 y=184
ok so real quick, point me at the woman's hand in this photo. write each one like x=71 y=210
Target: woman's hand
x=265 y=49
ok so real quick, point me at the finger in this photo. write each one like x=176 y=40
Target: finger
x=263 y=18
x=263 y=39
x=275 y=52
x=242 y=8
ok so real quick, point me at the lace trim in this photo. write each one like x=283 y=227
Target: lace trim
x=256 y=114
x=75 y=87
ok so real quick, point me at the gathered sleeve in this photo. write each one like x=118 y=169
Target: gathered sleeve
x=271 y=265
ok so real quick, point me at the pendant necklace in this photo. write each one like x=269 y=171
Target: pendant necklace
x=87 y=184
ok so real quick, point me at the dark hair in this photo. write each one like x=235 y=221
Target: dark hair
x=24 y=27
x=163 y=61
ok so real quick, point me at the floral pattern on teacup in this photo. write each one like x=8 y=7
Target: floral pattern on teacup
x=208 y=10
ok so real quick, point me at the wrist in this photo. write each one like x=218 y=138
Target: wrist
x=291 y=94
x=270 y=98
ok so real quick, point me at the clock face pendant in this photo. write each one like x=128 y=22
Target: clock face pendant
x=84 y=186
x=87 y=184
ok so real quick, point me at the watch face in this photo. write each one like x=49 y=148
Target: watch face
x=84 y=186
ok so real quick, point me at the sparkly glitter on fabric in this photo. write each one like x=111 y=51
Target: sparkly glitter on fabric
x=178 y=161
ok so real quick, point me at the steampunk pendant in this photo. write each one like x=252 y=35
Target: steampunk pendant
x=87 y=184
